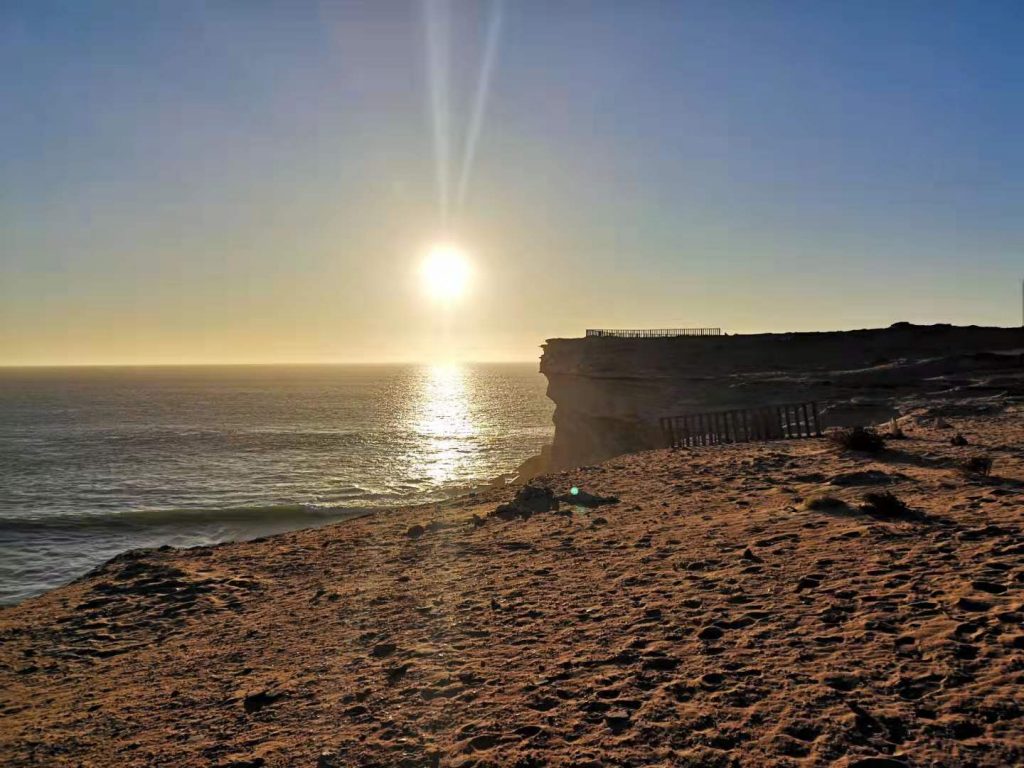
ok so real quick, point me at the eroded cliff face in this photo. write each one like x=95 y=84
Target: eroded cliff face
x=609 y=393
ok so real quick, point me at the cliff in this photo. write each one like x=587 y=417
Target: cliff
x=610 y=392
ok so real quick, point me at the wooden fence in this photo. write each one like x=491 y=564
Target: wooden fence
x=652 y=333
x=775 y=422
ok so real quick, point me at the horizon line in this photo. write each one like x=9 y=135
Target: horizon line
x=264 y=364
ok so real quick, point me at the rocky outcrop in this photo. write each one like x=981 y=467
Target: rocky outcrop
x=610 y=392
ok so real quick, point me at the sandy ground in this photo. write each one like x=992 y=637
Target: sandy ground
x=708 y=619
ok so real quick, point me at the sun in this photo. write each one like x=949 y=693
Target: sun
x=445 y=272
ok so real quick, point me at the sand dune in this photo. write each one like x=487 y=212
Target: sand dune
x=720 y=614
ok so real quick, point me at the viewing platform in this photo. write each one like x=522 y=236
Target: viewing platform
x=651 y=333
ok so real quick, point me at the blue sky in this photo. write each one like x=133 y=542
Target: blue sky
x=257 y=181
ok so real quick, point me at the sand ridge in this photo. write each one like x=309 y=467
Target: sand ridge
x=710 y=618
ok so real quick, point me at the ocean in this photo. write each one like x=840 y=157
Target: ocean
x=97 y=461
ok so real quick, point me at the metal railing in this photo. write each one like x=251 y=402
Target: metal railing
x=745 y=425
x=652 y=333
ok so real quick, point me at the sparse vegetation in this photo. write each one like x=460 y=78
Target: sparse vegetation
x=823 y=502
x=888 y=505
x=895 y=431
x=858 y=439
x=976 y=466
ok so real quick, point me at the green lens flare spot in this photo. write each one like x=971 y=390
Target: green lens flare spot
x=574 y=491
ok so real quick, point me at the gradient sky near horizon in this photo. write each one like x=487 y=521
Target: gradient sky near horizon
x=256 y=182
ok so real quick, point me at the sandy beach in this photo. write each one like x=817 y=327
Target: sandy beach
x=720 y=614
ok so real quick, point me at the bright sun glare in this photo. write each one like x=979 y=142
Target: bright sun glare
x=445 y=272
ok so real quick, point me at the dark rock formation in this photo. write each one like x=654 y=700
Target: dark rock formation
x=610 y=392
x=529 y=500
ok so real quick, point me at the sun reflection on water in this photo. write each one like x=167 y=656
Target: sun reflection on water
x=445 y=423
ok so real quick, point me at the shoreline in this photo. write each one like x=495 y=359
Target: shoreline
x=143 y=520
x=716 y=615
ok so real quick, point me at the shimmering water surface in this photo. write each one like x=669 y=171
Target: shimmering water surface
x=97 y=461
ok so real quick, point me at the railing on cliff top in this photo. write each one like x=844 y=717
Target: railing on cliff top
x=775 y=422
x=652 y=333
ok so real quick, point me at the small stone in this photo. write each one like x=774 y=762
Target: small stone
x=415 y=531
x=482 y=742
x=710 y=632
x=508 y=512
x=661 y=663
x=971 y=604
x=246 y=762
x=396 y=673
x=617 y=718
x=748 y=554
x=383 y=649
x=807 y=582
x=254 y=702
x=992 y=587
x=712 y=680
x=583 y=499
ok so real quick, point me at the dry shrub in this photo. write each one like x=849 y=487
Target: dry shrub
x=888 y=505
x=823 y=502
x=976 y=466
x=858 y=439
x=895 y=431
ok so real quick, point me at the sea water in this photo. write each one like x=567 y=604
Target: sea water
x=97 y=461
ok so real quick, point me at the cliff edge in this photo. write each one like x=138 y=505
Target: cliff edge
x=610 y=392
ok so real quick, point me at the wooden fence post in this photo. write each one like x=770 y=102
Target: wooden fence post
x=742 y=425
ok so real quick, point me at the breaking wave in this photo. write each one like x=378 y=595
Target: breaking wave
x=300 y=514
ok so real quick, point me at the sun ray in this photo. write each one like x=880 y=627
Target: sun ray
x=438 y=27
x=483 y=87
